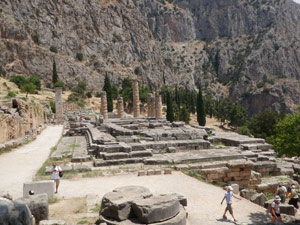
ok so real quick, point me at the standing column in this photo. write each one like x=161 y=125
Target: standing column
x=136 y=99
x=104 y=105
x=158 y=107
x=149 y=105
x=120 y=108
x=59 y=106
x=152 y=108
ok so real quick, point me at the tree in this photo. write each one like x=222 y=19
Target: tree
x=287 y=136
x=238 y=116
x=28 y=88
x=18 y=80
x=54 y=73
x=114 y=91
x=263 y=124
x=200 y=109
x=184 y=114
x=81 y=87
x=60 y=84
x=170 y=110
x=35 y=80
x=127 y=91
x=107 y=88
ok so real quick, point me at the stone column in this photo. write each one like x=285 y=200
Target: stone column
x=158 y=107
x=136 y=99
x=59 y=106
x=152 y=108
x=120 y=107
x=104 y=105
x=149 y=105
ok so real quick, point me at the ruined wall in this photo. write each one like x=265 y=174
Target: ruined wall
x=19 y=118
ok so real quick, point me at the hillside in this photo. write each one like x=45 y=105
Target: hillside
x=247 y=50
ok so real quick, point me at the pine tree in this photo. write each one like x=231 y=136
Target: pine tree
x=170 y=110
x=54 y=73
x=200 y=109
x=107 y=88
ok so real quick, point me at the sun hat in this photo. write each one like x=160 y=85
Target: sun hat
x=277 y=198
x=230 y=188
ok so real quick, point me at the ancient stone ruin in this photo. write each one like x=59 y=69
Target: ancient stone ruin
x=137 y=205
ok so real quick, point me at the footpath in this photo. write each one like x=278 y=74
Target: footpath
x=20 y=165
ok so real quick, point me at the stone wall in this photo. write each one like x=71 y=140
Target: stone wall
x=21 y=120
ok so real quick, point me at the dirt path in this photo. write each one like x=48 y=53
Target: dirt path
x=203 y=199
x=20 y=165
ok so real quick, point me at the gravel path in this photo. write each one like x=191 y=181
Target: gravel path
x=203 y=199
x=20 y=165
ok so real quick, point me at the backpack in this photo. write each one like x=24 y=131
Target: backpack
x=61 y=174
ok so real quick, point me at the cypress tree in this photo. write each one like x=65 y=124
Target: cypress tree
x=54 y=73
x=200 y=109
x=177 y=98
x=170 y=110
x=107 y=88
x=184 y=114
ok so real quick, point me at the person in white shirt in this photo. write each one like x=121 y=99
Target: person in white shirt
x=55 y=175
x=228 y=196
x=275 y=209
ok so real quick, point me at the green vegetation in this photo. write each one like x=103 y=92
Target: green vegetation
x=53 y=49
x=79 y=56
x=28 y=88
x=200 y=109
x=170 y=110
x=54 y=73
x=97 y=208
x=107 y=89
x=184 y=114
x=60 y=84
x=53 y=106
x=11 y=94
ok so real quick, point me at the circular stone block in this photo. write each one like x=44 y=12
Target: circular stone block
x=156 y=209
x=117 y=204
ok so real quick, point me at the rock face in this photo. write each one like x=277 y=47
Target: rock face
x=14 y=213
x=247 y=50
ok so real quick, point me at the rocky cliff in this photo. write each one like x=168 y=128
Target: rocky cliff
x=247 y=49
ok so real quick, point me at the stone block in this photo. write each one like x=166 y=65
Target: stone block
x=141 y=173
x=150 y=172
x=117 y=204
x=118 y=155
x=156 y=209
x=258 y=198
x=171 y=149
x=38 y=205
x=157 y=172
x=167 y=171
x=52 y=222
x=287 y=209
x=145 y=153
x=247 y=194
x=236 y=188
x=40 y=187
x=82 y=168
x=233 y=174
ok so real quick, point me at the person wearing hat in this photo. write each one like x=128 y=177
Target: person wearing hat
x=275 y=209
x=228 y=196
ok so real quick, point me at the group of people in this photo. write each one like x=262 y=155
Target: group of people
x=282 y=193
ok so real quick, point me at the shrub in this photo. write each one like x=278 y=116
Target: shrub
x=137 y=70
x=53 y=106
x=79 y=56
x=18 y=80
x=89 y=94
x=98 y=94
x=35 y=80
x=11 y=94
x=60 y=84
x=53 y=49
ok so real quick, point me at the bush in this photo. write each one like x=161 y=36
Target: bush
x=98 y=94
x=81 y=87
x=11 y=94
x=18 y=80
x=60 y=84
x=244 y=130
x=89 y=94
x=53 y=106
x=53 y=49
x=35 y=80
x=79 y=56
x=137 y=70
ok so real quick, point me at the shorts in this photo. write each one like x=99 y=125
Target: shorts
x=277 y=214
x=229 y=208
x=57 y=181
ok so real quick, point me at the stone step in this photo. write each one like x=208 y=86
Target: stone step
x=112 y=156
x=101 y=162
x=140 y=154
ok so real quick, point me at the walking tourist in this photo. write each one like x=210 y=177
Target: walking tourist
x=275 y=209
x=228 y=196
x=56 y=172
x=293 y=196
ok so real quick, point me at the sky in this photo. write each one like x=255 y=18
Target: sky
x=298 y=1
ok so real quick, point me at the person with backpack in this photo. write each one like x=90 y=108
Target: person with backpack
x=275 y=210
x=281 y=191
x=228 y=196
x=56 y=174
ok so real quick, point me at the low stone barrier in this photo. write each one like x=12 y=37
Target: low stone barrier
x=40 y=187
